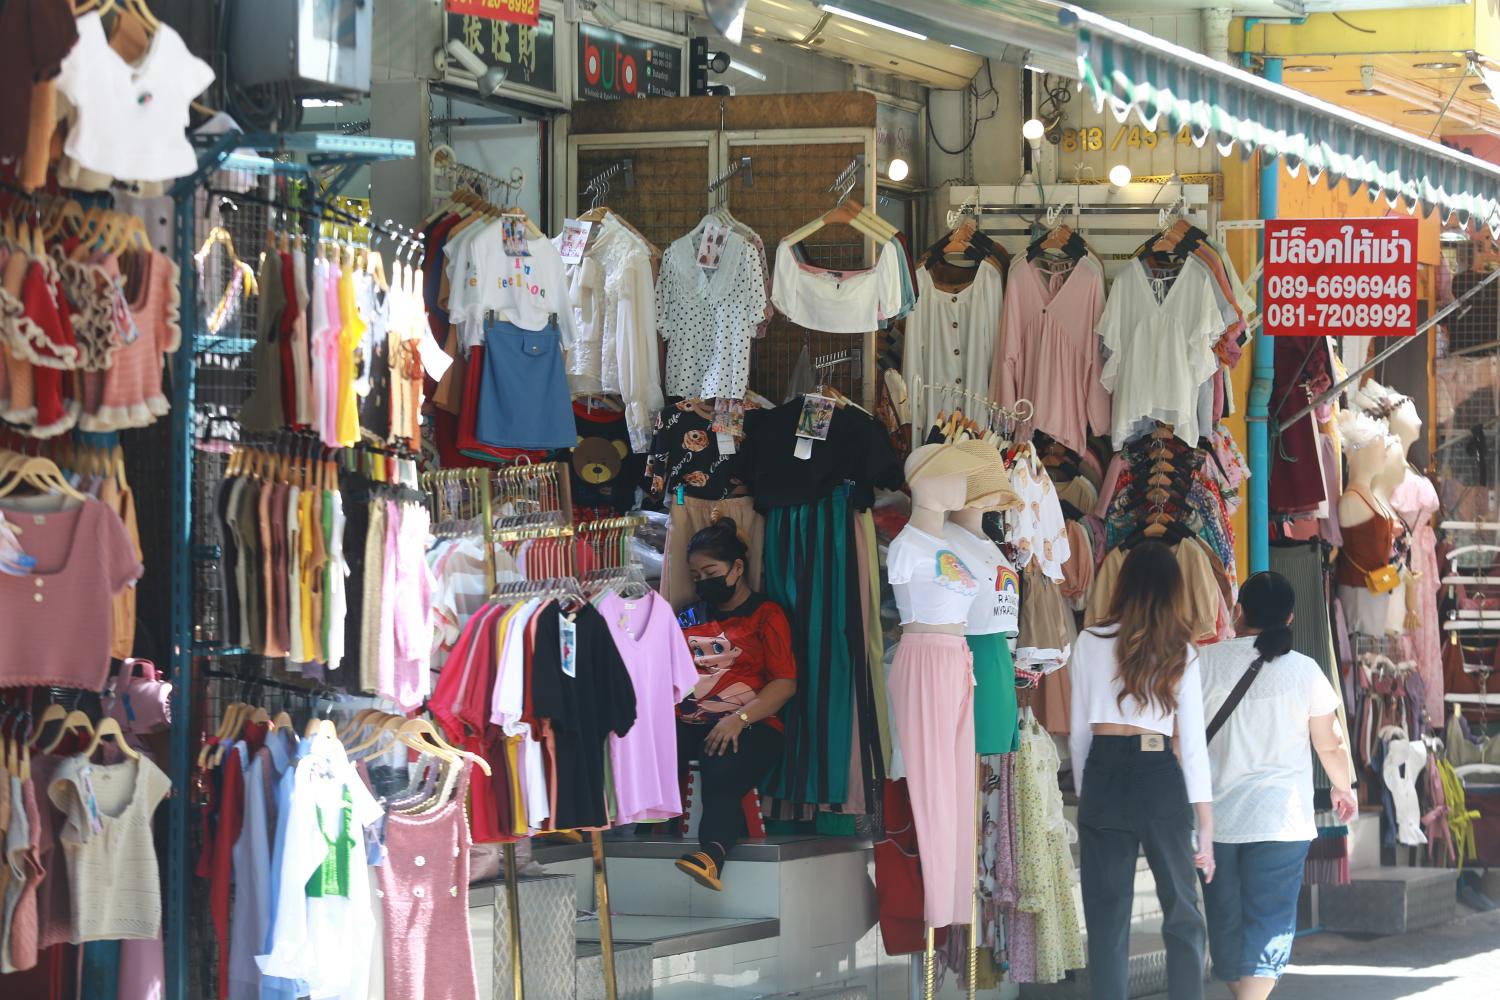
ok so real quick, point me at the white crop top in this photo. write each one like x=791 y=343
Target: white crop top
x=997 y=605
x=838 y=301
x=1096 y=690
x=933 y=585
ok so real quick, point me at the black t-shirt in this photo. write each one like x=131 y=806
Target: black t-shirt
x=582 y=710
x=685 y=452
x=856 y=451
x=603 y=470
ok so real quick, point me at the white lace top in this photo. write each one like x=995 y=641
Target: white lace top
x=112 y=868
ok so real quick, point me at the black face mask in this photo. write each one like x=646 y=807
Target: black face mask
x=716 y=590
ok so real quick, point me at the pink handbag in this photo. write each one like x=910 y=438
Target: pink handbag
x=143 y=701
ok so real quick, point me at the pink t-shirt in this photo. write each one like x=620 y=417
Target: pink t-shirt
x=661 y=669
x=59 y=616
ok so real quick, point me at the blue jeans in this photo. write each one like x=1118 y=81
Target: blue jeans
x=1251 y=907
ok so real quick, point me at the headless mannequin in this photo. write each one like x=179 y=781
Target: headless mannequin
x=932 y=500
x=1365 y=499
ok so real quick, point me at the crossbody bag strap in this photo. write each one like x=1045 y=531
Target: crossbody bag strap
x=1234 y=699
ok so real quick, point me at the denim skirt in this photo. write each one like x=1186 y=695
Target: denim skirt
x=524 y=401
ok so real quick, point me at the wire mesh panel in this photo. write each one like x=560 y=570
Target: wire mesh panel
x=667 y=195
x=1468 y=399
x=789 y=188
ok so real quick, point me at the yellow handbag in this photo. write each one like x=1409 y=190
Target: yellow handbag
x=1378 y=581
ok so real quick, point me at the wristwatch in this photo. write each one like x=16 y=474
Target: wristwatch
x=743 y=718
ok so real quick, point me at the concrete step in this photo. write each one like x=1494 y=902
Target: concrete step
x=1389 y=900
x=1148 y=972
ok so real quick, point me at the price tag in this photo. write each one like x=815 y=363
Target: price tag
x=567 y=635
x=90 y=800
x=711 y=250
x=574 y=240
x=1340 y=277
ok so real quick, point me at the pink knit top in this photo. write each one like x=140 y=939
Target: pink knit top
x=59 y=615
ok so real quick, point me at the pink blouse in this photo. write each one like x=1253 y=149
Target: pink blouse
x=61 y=613
x=1049 y=352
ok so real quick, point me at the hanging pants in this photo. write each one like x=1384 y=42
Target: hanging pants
x=932 y=694
x=1134 y=799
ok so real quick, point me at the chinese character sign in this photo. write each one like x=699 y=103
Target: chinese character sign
x=1340 y=277
x=525 y=12
x=526 y=52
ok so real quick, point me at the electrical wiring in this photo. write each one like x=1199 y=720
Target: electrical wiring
x=1350 y=24
x=972 y=92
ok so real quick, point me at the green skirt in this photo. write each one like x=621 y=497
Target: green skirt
x=994 y=695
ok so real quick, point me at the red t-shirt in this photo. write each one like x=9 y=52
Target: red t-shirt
x=737 y=653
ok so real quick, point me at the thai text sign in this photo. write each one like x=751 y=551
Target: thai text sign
x=515 y=11
x=1340 y=277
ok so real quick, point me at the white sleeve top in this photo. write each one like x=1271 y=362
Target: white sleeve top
x=1096 y=691
x=833 y=301
x=933 y=585
x=526 y=291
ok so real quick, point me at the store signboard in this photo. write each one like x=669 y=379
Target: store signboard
x=529 y=54
x=513 y=11
x=1340 y=277
x=616 y=67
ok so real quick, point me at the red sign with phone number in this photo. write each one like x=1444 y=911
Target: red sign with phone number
x=1340 y=277
x=526 y=12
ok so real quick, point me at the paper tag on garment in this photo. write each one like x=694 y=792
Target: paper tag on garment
x=715 y=235
x=574 y=240
x=13 y=559
x=90 y=801
x=567 y=635
x=725 y=443
x=816 y=418
x=513 y=227
x=803 y=448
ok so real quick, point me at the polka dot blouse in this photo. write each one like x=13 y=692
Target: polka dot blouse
x=708 y=317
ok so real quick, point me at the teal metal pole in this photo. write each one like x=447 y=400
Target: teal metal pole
x=1257 y=413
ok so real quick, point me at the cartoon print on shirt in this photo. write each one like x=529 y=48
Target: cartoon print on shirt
x=714 y=656
x=953 y=575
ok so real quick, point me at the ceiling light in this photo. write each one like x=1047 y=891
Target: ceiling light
x=1365 y=92
x=1454 y=236
x=1420 y=112
x=1480 y=88
x=758 y=29
x=1119 y=175
x=757 y=49
x=897 y=169
x=1429 y=101
x=841 y=12
x=1033 y=130
x=489 y=79
x=1304 y=68
x=318 y=102
x=749 y=71
x=1436 y=65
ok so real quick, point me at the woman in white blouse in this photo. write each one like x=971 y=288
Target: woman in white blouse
x=1263 y=783
x=1140 y=764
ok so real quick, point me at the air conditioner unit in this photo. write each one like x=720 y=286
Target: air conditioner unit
x=316 y=46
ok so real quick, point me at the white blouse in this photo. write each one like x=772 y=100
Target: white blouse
x=1096 y=693
x=832 y=301
x=708 y=316
x=933 y=585
x=1160 y=352
x=615 y=308
x=951 y=338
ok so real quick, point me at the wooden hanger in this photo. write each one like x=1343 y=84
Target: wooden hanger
x=72 y=721
x=849 y=212
x=41 y=474
x=420 y=734
x=109 y=728
x=52 y=713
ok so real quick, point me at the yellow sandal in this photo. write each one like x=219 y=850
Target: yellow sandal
x=702 y=869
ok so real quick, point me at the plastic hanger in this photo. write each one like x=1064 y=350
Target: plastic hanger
x=74 y=720
x=109 y=728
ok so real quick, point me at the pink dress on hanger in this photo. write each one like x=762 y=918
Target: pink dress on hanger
x=1416 y=500
x=424 y=892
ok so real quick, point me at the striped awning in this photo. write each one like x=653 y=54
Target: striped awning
x=1132 y=72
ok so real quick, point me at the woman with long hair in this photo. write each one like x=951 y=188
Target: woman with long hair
x=1140 y=764
x=1263 y=783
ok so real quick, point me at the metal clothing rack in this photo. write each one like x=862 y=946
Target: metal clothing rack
x=335 y=158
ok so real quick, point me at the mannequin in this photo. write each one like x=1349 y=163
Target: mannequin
x=1415 y=500
x=1370 y=527
x=931 y=682
x=992 y=620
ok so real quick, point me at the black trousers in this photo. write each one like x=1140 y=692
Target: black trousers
x=724 y=780
x=1134 y=799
